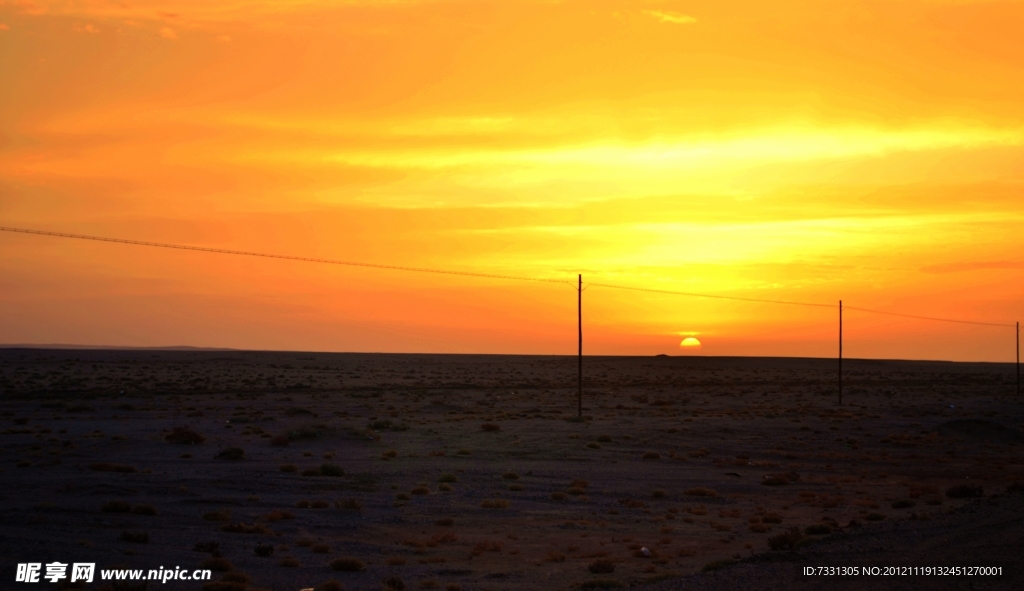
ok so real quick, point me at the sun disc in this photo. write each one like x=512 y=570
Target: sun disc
x=690 y=342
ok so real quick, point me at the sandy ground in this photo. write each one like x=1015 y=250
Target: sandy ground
x=469 y=472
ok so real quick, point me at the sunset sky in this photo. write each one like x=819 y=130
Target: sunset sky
x=869 y=151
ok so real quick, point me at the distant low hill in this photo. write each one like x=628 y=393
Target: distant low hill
x=112 y=347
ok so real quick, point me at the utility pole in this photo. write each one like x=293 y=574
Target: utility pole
x=840 y=352
x=579 y=318
x=1018 y=358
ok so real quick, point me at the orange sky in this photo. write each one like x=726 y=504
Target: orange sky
x=866 y=150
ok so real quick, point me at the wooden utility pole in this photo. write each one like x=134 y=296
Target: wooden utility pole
x=579 y=359
x=1018 y=359
x=840 y=352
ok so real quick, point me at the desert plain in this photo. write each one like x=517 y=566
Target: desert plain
x=289 y=471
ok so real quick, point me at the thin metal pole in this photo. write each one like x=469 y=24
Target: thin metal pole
x=840 y=352
x=1018 y=359
x=579 y=318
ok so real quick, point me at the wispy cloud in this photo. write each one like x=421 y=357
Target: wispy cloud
x=671 y=17
x=975 y=266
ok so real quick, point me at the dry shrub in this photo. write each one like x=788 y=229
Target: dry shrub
x=331 y=470
x=108 y=467
x=490 y=427
x=393 y=584
x=1015 y=488
x=786 y=540
x=464 y=452
x=244 y=528
x=604 y=438
x=144 y=510
x=495 y=504
x=277 y=515
x=453 y=587
x=185 y=436
x=329 y=585
x=135 y=537
x=601 y=584
x=601 y=566
x=818 y=529
x=116 y=507
x=289 y=468
x=579 y=483
x=576 y=490
x=279 y=440
x=902 y=504
x=264 y=550
x=658 y=493
x=320 y=504
x=445 y=487
x=209 y=547
x=349 y=505
x=717 y=564
x=448 y=477
x=231 y=453
x=487 y=546
x=302 y=504
x=289 y=562
x=347 y=564
x=395 y=561
x=594 y=445
x=304 y=542
x=651 y=455
x=559 y=496
x=430 y=584
x=420 y=490
x=510 y=475
x=403 y=497
x=554 y=556
x=236 y=577
x=320 y=548
x=445 y=538
x=874 y=517
x=780 y=479
x=759 y=528
x=965 y=491
x=632 y=503
x=391 y=453
x=437 y=454
x=700 y=492
x=771 y=518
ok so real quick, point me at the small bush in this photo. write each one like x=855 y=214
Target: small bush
x=495 y=504
x=554 y=556
x=279 y=440
x=393 y=584
x=510 y=475
x=651 y=455
x=244 y=528
x=453 y=587
x=605 y=439
x=347 y=564
x=576 y=490
x=319 y=504
x=430 y=584
x=144 y=510
x=1015 y=488
x=389 y=454
x=786 y=540
x=221 y=515
x=349 y=505
x=329 y=585
x=108 y=467
x=874 y=517
x=116 y=507
x=208 y=547
x=559 y=496
x=515 y=487
x=903 y=504
x=594 y=445
x=420 y=490
x=965 y=491
x=717 y=564
x=184 y=436
x=448 y=477
x=311 y=472
x=601 y=566
x=701 y=492
x=490 y=427
x=289 y=468
x=135 y=537
x=217 y=564
x=331 y=470
x=658 y=493
x=264 y=550
x=232 y=453
x=771 y=518
x=320 y=548
x=445 y=487
x=445 y=522
x=601 y=584
x=403 y=497
x=464 y=452
x=818 y=529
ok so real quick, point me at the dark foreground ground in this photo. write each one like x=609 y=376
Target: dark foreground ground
x=469 y=472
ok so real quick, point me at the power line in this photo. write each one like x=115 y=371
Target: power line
x=708 y=295
x=280 y=256
x=929 y=317
x=470 y=274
